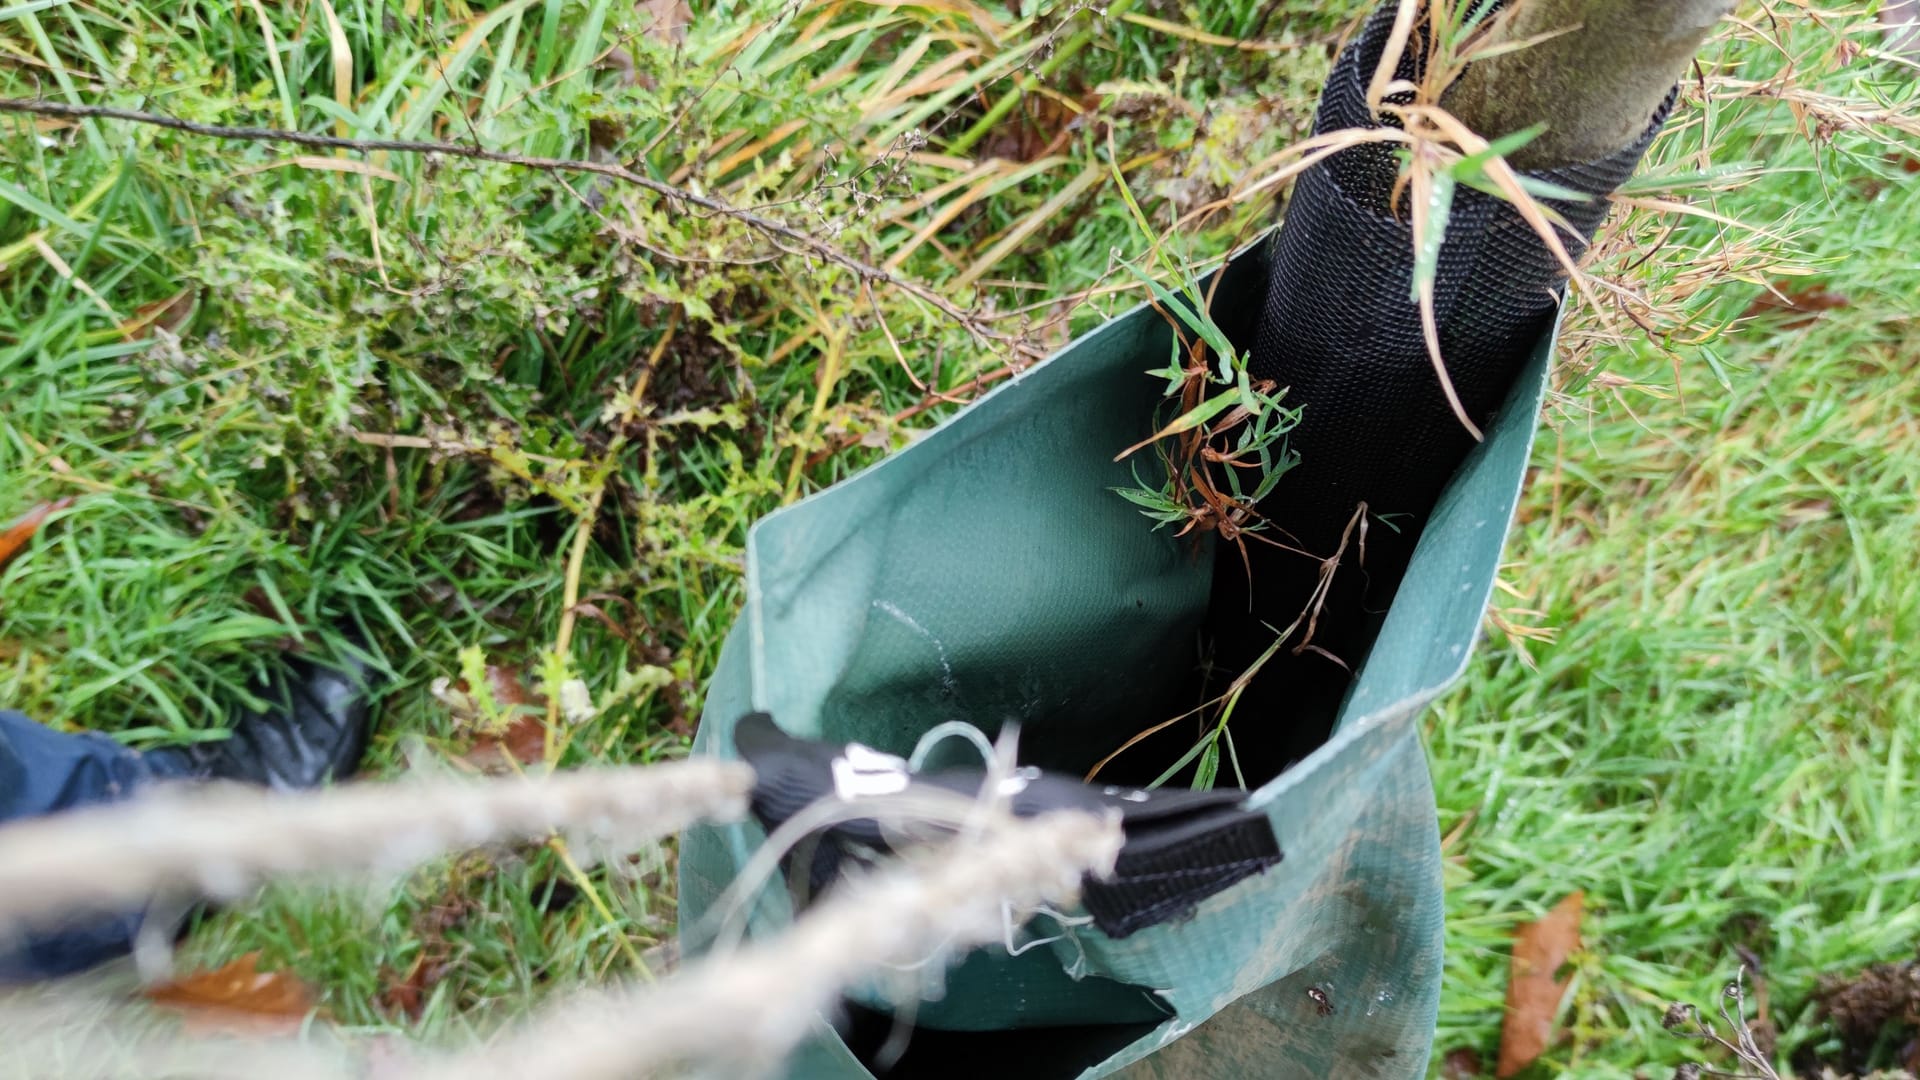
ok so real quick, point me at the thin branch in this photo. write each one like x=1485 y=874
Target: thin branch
x=784 y=236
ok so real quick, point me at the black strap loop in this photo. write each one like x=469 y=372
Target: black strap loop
x=1181 y=846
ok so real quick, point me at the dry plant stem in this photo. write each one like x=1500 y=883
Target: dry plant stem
x=1594 y=73
x=749 y=1008
x=1309 y=615
x=1823 y=111
x=786 y=237
x=1686 y=1021
x=448 y=446
x=931 y=399
x=221 y=840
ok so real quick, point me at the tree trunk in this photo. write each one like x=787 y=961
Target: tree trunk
x=1902 y=20
x=1596 y=86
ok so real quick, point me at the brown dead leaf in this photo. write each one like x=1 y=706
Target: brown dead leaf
x=238 y=999
x=1804 y=303
x=169 y=315
x=670 y=20
x=406 y=993
x=14 y=540
x=525 y=741
x=1534 y=989
x=525 y=737
x=509 y=691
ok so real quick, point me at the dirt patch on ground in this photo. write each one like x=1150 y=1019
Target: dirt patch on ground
x=1874 y=1019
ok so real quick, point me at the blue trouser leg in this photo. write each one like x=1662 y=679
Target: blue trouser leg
x=43 y=771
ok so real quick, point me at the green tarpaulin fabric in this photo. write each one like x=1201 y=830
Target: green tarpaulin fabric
x=989 y=573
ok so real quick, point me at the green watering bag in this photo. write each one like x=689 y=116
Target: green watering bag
x=989 y=573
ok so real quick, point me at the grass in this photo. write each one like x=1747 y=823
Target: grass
x=1718 y=745
x=207 y=342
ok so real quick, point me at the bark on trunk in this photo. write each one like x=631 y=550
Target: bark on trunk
x=1595 y=86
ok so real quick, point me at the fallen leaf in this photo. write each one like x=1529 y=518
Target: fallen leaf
x=1804 y=303
x=509 y=692
x=238 y=999
x=17 y=534
x=404 y=997
x=524 y=739
x=670 y=19
x=407 y=994
x=169 y=315
x=1533 y=987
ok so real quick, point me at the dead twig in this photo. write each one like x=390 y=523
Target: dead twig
x=786 y=237
x=1686 y=1021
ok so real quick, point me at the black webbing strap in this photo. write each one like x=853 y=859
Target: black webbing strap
x=1181 y=846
